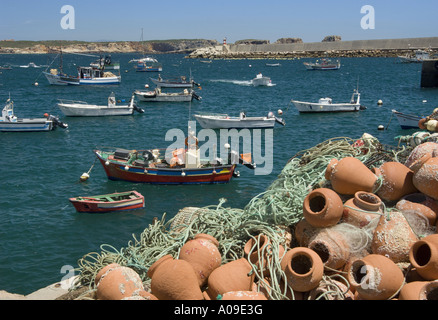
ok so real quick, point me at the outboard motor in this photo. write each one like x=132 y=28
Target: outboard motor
x=196 y=96
x=57 y=123
x=137 y=108
x=362 y=107
x=280 y=121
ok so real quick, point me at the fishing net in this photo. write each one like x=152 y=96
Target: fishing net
x=273 y=213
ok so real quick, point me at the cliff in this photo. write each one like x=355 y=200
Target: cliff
x=150 y=47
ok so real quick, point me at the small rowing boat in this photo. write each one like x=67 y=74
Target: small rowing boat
x=109 y=202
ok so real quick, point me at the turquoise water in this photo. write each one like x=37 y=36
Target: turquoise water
x=40 y=231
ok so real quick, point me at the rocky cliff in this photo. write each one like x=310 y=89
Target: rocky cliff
x=159 y=46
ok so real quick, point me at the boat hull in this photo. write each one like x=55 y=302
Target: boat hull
x=91 y=206
x=263 y=81
x=168 y=97
x=210 y=175
x=172 y=84
x=27 y=125
x=235 y=123
x=407 y=121
x=79 y=110
x=307 y=107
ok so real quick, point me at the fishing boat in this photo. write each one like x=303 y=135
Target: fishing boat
x=261 y=80
x=406 y=121
x=180 y=82
x=224 y=121
x=106 y=62
x=273 y=64
x=180 y=166
x=323 y=64
x=30 y=65
x=147 y=64
x=85 y=76
x=157 y=95
x=327 y=105
x=73 y=108
x=418 y=57
x=9 y=122
x=118 y=201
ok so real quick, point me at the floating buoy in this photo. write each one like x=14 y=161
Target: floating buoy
x=36 y=84
x=146 y=86
x=280 y=112
x=424 y=101
x=379 y=103
x=84 y=177
x=381 y=127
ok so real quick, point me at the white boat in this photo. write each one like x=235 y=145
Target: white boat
x=406 y=121
x=147 y=64
x=9 y=122
x=85 y=76
x=224 y=121
x=82 y=109
x=273 y=64
x=323 y=64
x=261 y=80
x=180 y=82
x=327 y=105
x=417 y=57
x=157 y=95
x=30 y=65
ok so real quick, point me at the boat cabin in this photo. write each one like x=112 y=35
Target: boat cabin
x=8 y=112
x=90 y=73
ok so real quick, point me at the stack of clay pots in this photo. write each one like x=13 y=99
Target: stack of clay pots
x=394 y=205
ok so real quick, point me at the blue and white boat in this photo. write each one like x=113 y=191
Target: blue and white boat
x=147 y=64
x=9 y=122
x=85 y=76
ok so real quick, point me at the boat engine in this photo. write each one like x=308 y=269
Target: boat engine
x=362 y=107
x=196 y=96
x=280 y=121
x=57 y=122
x=137 y=108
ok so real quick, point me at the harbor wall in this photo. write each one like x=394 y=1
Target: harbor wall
x=379 y=47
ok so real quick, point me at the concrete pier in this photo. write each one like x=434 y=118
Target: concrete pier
x=359 y=48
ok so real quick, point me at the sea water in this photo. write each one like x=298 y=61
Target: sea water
x=41 y=234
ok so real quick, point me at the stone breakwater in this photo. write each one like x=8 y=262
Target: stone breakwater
x=357 y=48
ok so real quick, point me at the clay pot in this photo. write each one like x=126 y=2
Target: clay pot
x=333 y=290
x=375 y=277
x=350 y=175
x=363 y=208
x=393 y=237
x=304 y=231
x=423 y=256
x=203 y=254
x=322 y=207
x=332 y=247
x=420 y=204
x=105 y=270
x=397 y=181
x=420 y=150
x=231 y=276
x=303 y=268
x=243 y=295
x=426 y=175
x=411 y=290
x=259 y=251
x=118 y=283
x=430 y=291
x=174 y=279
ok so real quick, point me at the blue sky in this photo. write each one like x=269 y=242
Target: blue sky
x=205 y=19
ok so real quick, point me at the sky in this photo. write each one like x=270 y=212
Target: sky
x=123 y=20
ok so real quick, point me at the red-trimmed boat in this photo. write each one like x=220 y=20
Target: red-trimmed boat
x=118 y=201
x=150 y=166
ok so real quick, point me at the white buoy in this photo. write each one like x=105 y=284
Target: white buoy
x=424 y=101
x=381 y=127
x=146 y=86
x=380 y=102
x=106 y=162
x=280 y=112
x=126 y=168
x=227 y=146
x=183 y=174
x=36 y=84
x=84 y=176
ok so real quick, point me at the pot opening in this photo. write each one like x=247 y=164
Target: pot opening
x=422 y=254
x=301 y=264
x=369 y=198
x=317 y=203
x=359 y=272
x=322 y=250
x=432 y=294
x=416 y=197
